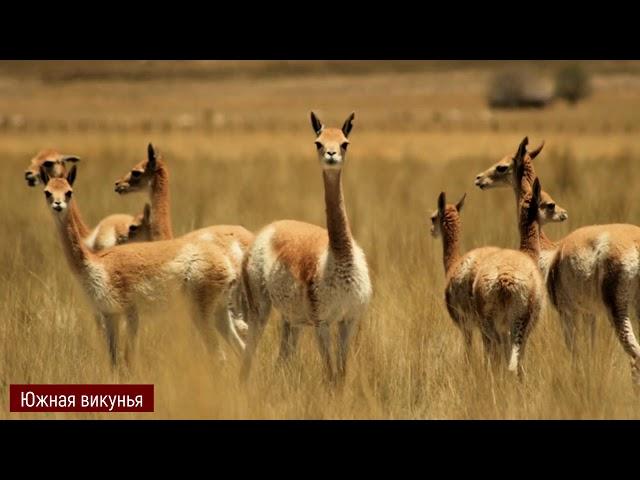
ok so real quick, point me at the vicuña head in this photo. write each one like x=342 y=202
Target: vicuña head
x=446 y=217
x=58 y=191
x=503 y=174
x=140 y=228
x=141 y=174
x=54 y=164
x=550 y=211
x=332 y=143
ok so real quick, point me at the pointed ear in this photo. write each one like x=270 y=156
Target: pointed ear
x=348 y=124
x=316 y=124
x=44 y=176
x=534 y=153
x=460 y=204
x=522 y=149
x=147 y=213
x=71 y=176
x=519 y=159
x=442 y=202
x=152 y=156
x=70 y=158
x=537 y=189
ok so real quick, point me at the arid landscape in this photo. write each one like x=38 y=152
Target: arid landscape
x=237 y=139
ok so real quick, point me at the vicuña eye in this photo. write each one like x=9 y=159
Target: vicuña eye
x=501 y=168
x=47 y=194
x=344 y=145
x=318 y=145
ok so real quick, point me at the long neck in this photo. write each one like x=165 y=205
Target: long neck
x=529 y=238
x=529 y=177
x=450 y=246
x=337 y=221
x=545 y=242
x=77 y=253
x=83 y=229
x=160 y=220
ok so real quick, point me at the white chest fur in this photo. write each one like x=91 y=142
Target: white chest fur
x=342 y=290
x=338 y=289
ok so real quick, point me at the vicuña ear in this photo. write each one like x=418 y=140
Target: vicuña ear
x=537 y=189
x=44 y=176
x=316 y=124
x=522 y=149
x=147 y=213
x=348 y=124
x=442 y=202
x=152 y=156
x=519 y=159
x=534 y=153
x=460 y=204
x=71 y=176
x=70 y=158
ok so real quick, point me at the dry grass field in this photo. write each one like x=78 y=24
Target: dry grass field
x=237 y=138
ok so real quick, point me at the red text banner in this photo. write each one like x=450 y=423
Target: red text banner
x=81 y=398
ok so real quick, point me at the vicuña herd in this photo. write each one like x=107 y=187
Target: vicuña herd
x=318 y=277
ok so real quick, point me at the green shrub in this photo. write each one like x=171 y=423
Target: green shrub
x=572 y=83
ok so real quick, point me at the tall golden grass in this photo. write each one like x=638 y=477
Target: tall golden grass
x=407 y=359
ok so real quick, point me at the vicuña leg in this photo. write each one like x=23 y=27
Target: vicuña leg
x=288 y=340
x=111 y=334
x=201 y=314
x=615 y=293
x=467 y=335
x=236 y=308
x=345 y=332
x=568 y=325
x=589 y=322
x=133 y=324
x=258 y=307
x=323 y=336
x=491 y=342
x=519 y=335
x=225 y=325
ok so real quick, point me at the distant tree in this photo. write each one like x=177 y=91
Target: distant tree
x=572 y=83
x=516 y=89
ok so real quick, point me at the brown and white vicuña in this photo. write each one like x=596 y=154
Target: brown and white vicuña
x=311 y=275
x=126 y=280
x=151 y=176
